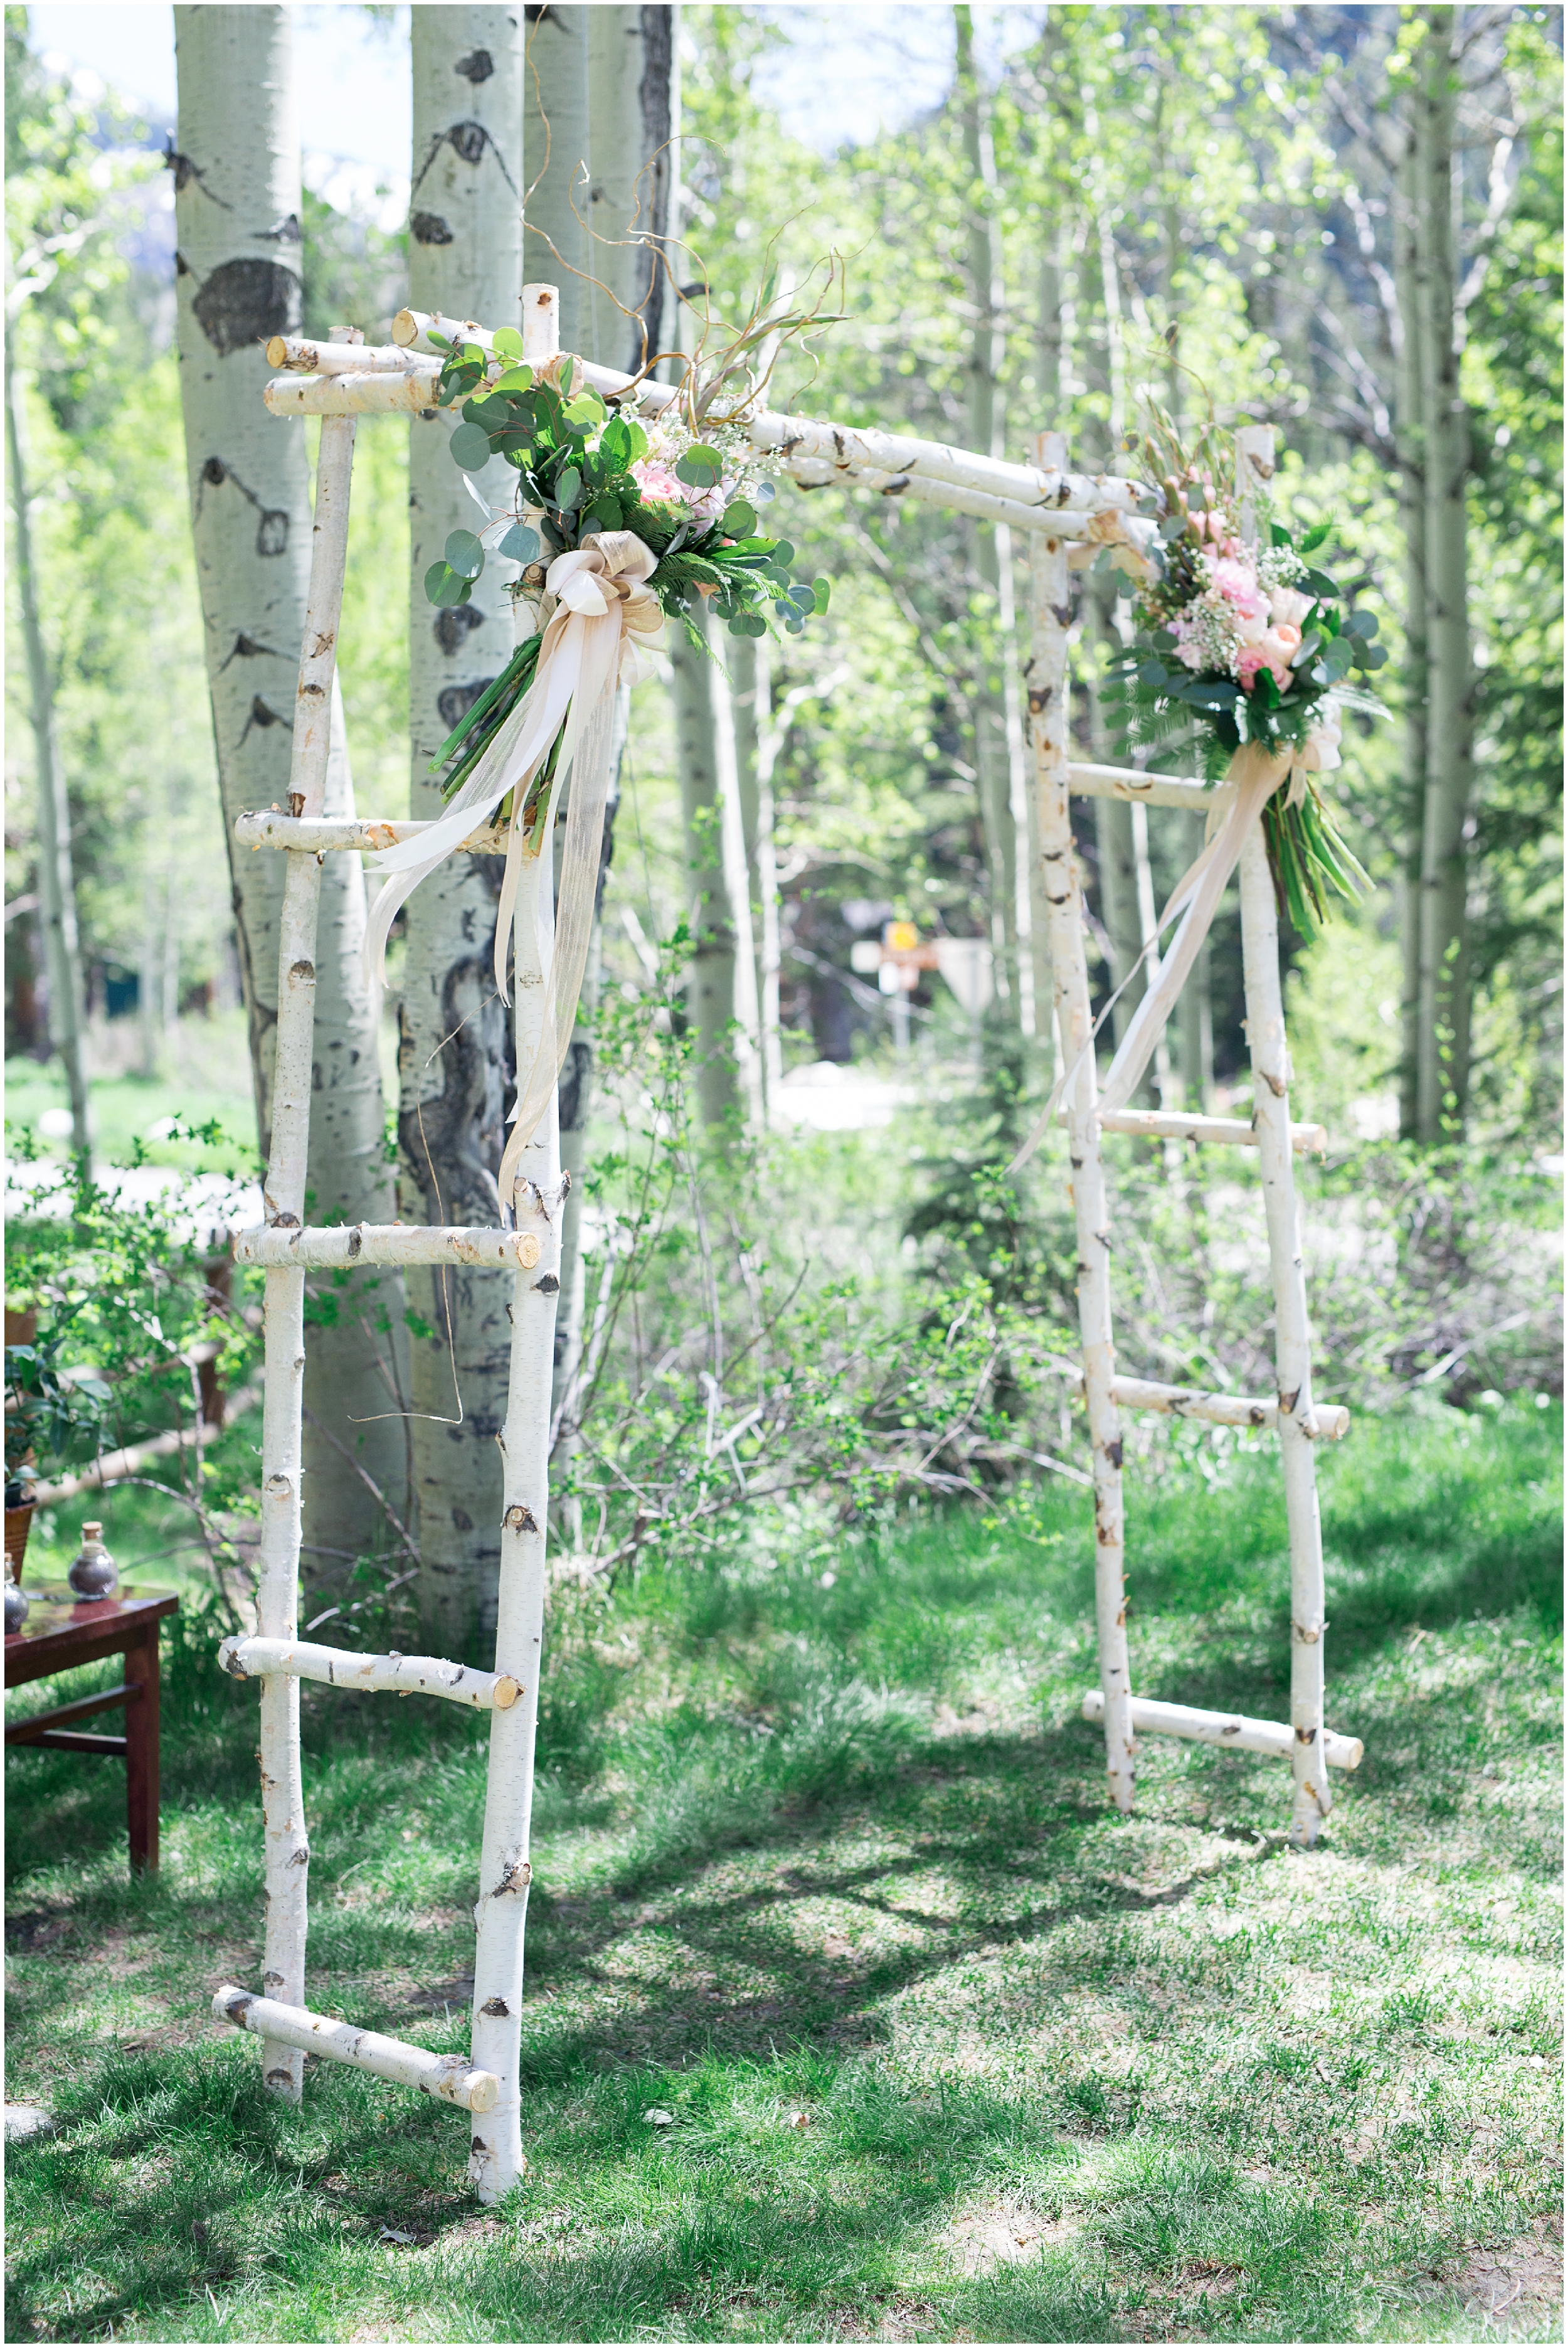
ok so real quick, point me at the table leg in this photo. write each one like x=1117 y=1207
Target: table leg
x=142 y=1753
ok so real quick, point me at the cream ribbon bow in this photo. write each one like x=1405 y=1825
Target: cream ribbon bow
x=604 y=621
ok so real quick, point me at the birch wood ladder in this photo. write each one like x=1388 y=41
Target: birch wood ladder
x=1300 y=1423
x=485 y=2082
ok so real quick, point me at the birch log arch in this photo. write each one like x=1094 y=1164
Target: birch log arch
x=1067 y=517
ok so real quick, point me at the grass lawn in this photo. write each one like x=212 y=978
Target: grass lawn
x=822 y=1868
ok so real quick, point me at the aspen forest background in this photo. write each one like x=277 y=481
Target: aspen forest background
x=1225 y=208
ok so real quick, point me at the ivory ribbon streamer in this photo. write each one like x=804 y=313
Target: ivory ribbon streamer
x=606 y=616
x=1255 y=775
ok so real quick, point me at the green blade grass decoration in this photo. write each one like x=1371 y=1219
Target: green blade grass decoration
x=1241 y=642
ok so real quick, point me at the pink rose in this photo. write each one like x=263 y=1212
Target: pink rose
x=1271 y=652
x=657 y=482
x=1237 y=582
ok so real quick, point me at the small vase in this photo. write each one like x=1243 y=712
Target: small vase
x=93 y=1574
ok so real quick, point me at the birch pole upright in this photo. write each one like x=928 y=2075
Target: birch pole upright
x=237 y=281
x=1045 y=678
x=464 y=258
x=495 y=2151
x=56 y=880
x=619 y=191
x=1270 y=1057
x=1442 y=1039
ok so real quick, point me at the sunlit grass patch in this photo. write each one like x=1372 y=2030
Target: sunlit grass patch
x=825 y=1874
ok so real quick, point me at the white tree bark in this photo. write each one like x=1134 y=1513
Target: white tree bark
x=1411 y=432
x=395 y=1244
x=340 y=1667
x=495 y=2160
x=557 y=248
x=452 y=2078
x=1270 y=1060
x=710 y=991
x=995 y=783
x=618 y=213
x=56 y=882
x=237 y=205
x=466 y=259
x=1046 y=679
x=1232 y=1730
x=1443 y=1009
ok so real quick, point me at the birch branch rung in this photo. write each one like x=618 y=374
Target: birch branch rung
x=1330 y=1420
x=333 y=1246
x=1233 y=1729
x=1133 y=783
x=302 y=357
x=1164 y=1125
x=451 y=2078
x=318 y=835
x=340 y=1667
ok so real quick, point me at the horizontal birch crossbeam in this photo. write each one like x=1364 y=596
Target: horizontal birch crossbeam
x=1132 y=783
x=293 y=1247
x=340 y=1667
x=301 y=357
x=1171 y=1125
x=321 y=835
x=452 y=2078
x=1330 y=1420
x=1274 y=1737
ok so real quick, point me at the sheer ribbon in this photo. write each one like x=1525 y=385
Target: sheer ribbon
x=1254 y=776
x=605 y=617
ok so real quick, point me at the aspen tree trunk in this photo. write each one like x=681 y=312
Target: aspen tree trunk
x=770 y=957
x=617 y=210
x=615 y=77
x=711 y=989
x=557 y=250
x=56 y=880
x=660 y=94
x=998 y=792
x=1443 y=1013
x=1052 y=361
x=464 y=258
x=1409 y=425
x=751 y=701
x=237 y=281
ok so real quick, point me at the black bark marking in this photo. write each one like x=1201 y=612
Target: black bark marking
x=284 y=231
x=185 y=170
x=451 y=627
x=468 y=141
x=518 y=1520
x=454 y=701
x=1114 y=1453
x=496 y=2007
x=477 y=67
x=548 y=1286
x=248 y=301
x=261 y=716
x=246 y=648
x=428 y=227
x=462 y=1521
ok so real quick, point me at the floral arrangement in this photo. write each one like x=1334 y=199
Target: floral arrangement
x=690 y=492
x=1246 y=641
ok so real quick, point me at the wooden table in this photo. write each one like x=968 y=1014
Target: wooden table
x=62 y=1631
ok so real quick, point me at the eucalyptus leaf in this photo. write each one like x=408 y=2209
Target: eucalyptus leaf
x=517 y=379
x=507 y=344
x=1321 y=584
x=738 y=521
x=520 y=543
x=1362 y=623
x=700 y=467
x=470 y=447
x=568 y=490
x=465 y=554
x=444 y=586
x=764 y=493
x=821 y=590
